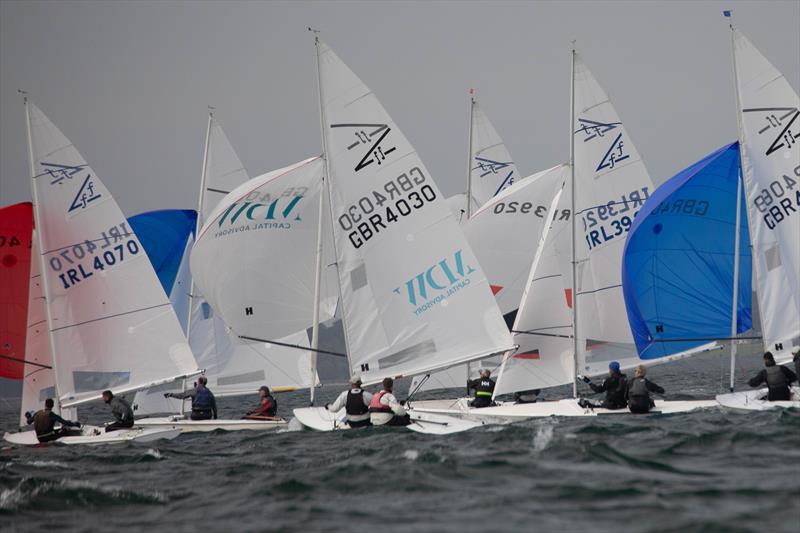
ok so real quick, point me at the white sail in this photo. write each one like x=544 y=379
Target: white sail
x=112 y=325
x=770 y=121
x=254 y=257
x=491 y=167
x=611 y=185
x=37 y=381
x=224 y=169
x=501 y=234
x=414 y=298
x=180 y=295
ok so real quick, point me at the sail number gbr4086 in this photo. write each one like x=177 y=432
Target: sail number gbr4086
x=81 y=261
x=386 y=205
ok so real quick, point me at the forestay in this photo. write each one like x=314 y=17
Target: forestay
x=254 y=258
x=678 y=264
x=414 y=298
x=770 y=121
x=112 y=324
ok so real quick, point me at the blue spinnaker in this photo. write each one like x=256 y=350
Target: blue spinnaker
x=677 y=267
x=163 y=235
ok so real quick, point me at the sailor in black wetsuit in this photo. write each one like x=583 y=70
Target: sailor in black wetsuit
x=121 y=409
x=614 y=386
x=778 y=378
x=638 y=392
x=356 y=403
x=44 y=423
x=484 y=389
x=204 y=405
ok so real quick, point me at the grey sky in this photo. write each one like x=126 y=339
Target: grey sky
x=128 y=83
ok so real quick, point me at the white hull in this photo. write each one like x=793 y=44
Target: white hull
x=511 y=412
x=320 y=419
x=95 y=436
x=754 y=400
x=185 y=425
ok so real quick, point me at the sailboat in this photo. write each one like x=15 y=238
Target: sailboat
x=574 y=280
x=109 y=323
x=768 y=115
x=234 y=362
x=413 y=297
x=490 y=168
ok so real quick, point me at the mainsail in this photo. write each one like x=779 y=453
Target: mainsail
x=16 y=225
x=770 y=135
x=413 y=296
x=111 y=324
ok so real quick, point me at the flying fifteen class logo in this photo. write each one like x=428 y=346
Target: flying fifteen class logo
x=781 y=122
x=616 y=153
x=373 y=136
x=61 y=174
x=488 y=167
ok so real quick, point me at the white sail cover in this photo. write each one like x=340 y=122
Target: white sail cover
x=37 y=381
x=492 y=168
x=113 y=326
x=232 y=365
x=414 y=298
x=770 y=118
x=503 y=234
x=255 y=256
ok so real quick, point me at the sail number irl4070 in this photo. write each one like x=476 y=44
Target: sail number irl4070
x=81 y=261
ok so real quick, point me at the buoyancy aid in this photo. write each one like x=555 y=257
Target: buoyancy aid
x=355 y=403
x=484 y=389
x=375 y=405
x=638 y=389
x=203 y=399
x=43 y=423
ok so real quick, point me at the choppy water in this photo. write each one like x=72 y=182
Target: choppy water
x=706 y=471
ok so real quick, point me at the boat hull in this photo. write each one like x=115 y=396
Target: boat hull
x=320 y=419
x=752 y=401
x=96 y=436
x=185 y=425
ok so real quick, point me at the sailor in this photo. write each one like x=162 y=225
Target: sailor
x=121 y=409
x=204 y=405
x=484 y=389
x=356 y=404
x=384 y=409
x=796 y=359
x=44 y=423
x=638 y=392
x=614 y=386
x=267 y=405
x=778 y=378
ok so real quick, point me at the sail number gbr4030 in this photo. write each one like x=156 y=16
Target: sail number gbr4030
x=380 y=207
x=81 y=261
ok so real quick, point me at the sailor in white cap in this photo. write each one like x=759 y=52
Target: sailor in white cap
x=356 y=404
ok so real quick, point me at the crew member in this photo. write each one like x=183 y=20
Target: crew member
x=614 y=386
x=267 y=405
x=796 y=359
x=638 y=392
x=121 y=409
x=356 y=404
x=204 y=405
x=384 y=409
x=44 y=423
x=778 y=378
x=484 y=388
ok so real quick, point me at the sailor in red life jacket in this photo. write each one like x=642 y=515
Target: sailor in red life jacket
x=355 y=402
x=384 y=409
x=267 y=405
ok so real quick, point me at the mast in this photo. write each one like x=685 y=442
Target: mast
x=737 y=231
x=469 y=153
x=573 y=216
x=42 y=263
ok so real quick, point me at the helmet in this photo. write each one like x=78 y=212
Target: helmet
x=613 y=366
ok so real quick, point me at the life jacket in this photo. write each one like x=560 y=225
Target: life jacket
x=484 y=389
x=355 y=403
x=616 y=390
x=776 y=379
x=43 y=423
x=203 y=399
x=269 y=406
x=638 y=389
x=375 y=405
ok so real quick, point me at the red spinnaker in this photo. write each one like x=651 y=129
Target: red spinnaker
x=16 y=228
